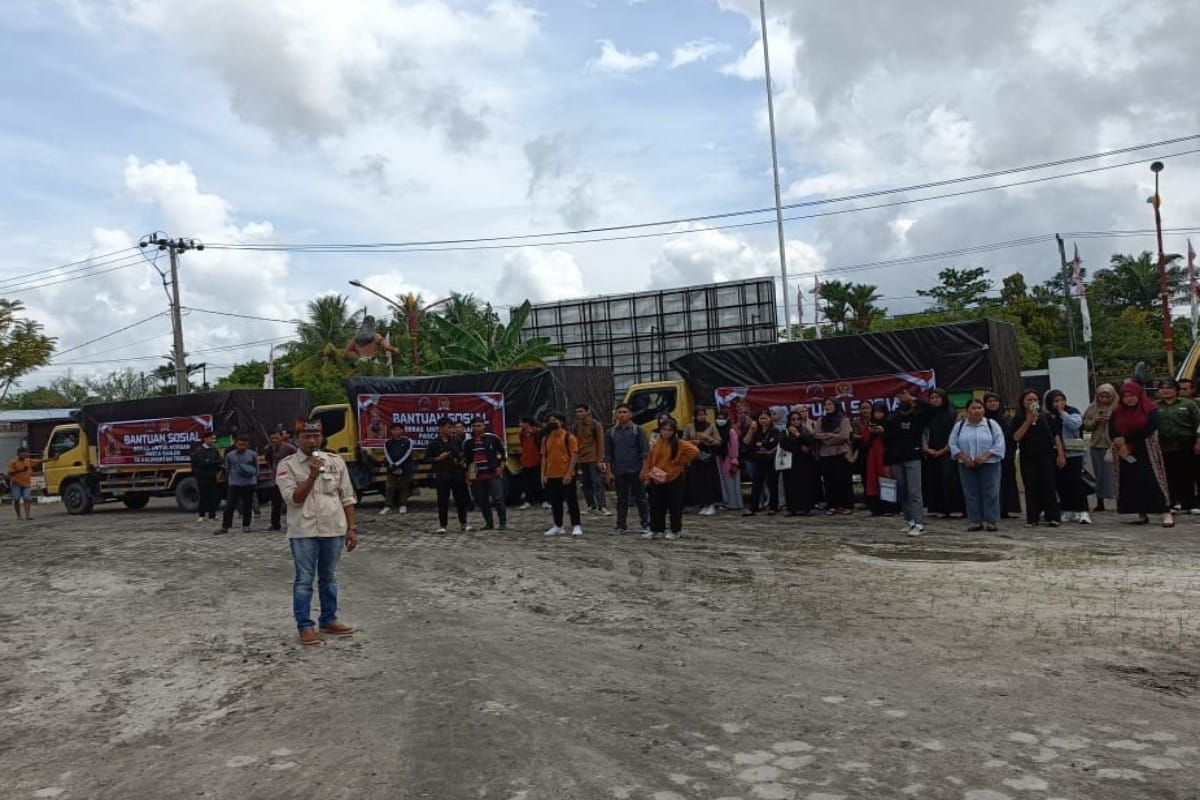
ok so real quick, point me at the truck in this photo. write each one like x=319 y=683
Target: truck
x=130 y=451
x=356 y=430
x=966 y=358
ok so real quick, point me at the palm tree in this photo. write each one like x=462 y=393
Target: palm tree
x=479 y=343
x=1133 y=281
x=836 y=305
x=861 y=298
x=323 y=336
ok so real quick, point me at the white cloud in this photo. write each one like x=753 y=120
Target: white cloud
x=696 y=50
x=613 y=60
x=310 y=68
x=540 y=276
x=251 y=283
x=709 y=255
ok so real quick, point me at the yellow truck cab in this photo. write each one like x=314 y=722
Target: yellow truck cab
x=649 y=401
x=148 y=444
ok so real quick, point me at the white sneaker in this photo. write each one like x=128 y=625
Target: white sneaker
x=1194 y=511
x=545 y=505
x=440 y=530
x=1069 y=516
x=554 y=530
x=908 y=526
x=671 y=535
x=604 y=512
x=708 y=511
x=648 y=534
x=201 y=519
x=385 y=511
x=467 y=529
x=1084 y=519
x=916 y=530
x=402 y=510
x=524 y=506
x=577 y=531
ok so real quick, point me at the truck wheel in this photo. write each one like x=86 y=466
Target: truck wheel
x=76 y=500
x=135 y=501
x=187 y=495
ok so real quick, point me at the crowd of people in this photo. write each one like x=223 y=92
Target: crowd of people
x=914 y=456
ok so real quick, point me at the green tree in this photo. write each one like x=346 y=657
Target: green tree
x=1132 y=281
x=959 y=289
x=835 y=303
x=861 y=299
x=478 y=343
x=23 y=347
x=319 y=348
x=121 y=385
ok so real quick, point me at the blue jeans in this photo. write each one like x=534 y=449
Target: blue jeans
x=981 y=491
x=593 y=484
x=315 y=557
x=907 y=475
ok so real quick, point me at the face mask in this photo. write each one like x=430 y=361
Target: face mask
x=722 y=422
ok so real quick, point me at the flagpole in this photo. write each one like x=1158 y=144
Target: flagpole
x=787 y=309
x=1084 y=313
x=816 y=305
x=1192 y=287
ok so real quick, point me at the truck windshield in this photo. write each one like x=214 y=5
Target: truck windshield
x=647 y=404
x=63 y=441
x=333 y=420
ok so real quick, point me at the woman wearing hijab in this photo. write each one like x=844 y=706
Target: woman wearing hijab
x=1095 y=420
x=870 y=453
x=1010 y=495
x=977 y=444
x=939 y=478
x=1068 y=482
x=703 y=479
x=1141 y=477
x=729 y=464
x=859 y=425
x=816 y=489
x=798 y=481
x=663 y=476
x=761 y=442
x=1041 y=457
x=833 y=440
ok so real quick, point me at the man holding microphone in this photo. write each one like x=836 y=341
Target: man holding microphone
x=317 y=487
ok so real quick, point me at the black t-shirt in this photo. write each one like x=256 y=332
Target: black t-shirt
x=452 y=467
x=903 y=433
x=764 y=441
x=1039 y=438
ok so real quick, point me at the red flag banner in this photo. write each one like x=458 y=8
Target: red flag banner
x=419 y=414
x=849 y=393
x=168 y=441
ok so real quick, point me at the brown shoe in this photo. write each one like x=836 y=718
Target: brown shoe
x=337 y=629
x=309 y=636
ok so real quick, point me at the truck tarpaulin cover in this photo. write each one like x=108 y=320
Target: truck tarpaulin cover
x=419 y=414
x=527 y=392
x=143 y=442
x=850 y=394
x=980 y=354
x=253 y=412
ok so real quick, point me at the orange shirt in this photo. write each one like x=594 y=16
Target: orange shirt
x=530 y=455
x=660 y=456
x=20 y=470
x=557 y=449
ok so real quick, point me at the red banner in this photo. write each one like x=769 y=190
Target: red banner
x=849 y=393
x=151 y=442
x=419 y=414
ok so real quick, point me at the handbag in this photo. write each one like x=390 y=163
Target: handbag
x=783 y=460
x=888 y=491
x=1074 y=444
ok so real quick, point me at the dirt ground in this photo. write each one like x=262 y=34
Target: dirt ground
x=808 y=658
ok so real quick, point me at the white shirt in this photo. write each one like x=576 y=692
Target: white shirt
x=321 y=514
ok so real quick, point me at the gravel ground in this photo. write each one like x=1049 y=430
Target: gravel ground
x=808 y=658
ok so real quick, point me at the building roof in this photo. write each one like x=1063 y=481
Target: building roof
x=31 y=414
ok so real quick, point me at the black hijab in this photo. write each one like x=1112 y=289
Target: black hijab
x=831 y=422
x=942 y=421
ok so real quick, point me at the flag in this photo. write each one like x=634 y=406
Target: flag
x=816 y=304
x=1192 y=286
x=800 y=311
x=269 y=378
x=1081 y=289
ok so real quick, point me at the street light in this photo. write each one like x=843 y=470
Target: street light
x=1168 y=333
x=410 y=318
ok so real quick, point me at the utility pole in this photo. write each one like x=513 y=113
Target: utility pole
x=787 y=308
x=174 y=247
x=1062 y=260
x=1168 y=333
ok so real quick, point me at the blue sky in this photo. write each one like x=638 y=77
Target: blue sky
x=386 y=120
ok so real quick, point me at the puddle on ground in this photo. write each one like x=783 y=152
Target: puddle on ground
x=926 y=551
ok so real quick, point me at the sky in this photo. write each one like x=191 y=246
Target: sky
x=304 y=121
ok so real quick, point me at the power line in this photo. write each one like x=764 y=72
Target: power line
x=241 y=316
x=113 y=333
x=65 y=266
x=222 y=349
x=420 y=247
x=87 y=271
x=728 y=214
